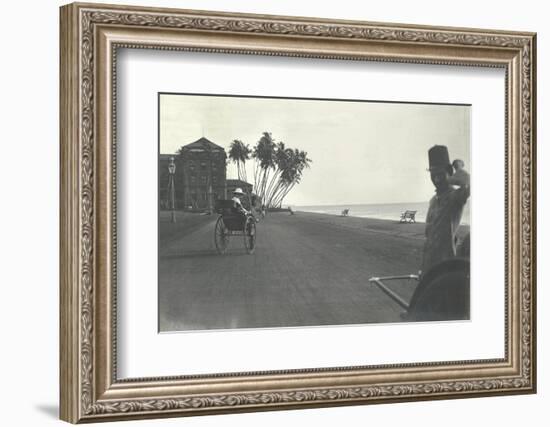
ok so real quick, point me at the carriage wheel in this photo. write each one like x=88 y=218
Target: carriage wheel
x=443 y=293
x=250 y=235
x=221 y=236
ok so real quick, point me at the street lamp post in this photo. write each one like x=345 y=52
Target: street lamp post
x=171 y=187
x=209 y=189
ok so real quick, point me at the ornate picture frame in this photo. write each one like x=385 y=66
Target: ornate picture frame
x=90 y=37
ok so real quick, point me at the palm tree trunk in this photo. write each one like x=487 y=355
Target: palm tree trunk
x=285 y=193
x=276 y=199
x=277 y=195
x=263 y=181
x=243 y=166
x=270 y=188
x=276 y=191
x=256 y=178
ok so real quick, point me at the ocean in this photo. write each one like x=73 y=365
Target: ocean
x=390 y=211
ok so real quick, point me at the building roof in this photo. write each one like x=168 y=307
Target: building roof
x=203 y=144
x=237 y=183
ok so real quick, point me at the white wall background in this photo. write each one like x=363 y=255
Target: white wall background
x=29 y=172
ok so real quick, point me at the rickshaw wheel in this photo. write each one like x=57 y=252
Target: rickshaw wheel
x=443 y=293
x=250 y=235
x=221 y=238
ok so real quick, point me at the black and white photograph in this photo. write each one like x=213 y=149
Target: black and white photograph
x=248 y=213
x=300 y=212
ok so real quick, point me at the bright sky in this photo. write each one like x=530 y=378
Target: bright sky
x=362 y=152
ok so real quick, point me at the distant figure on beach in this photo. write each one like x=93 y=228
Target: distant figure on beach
x=445 y=208
x=237 y=194
x=460 y=177
x=345 y=212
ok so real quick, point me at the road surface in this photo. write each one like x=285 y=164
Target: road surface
x=307 y=270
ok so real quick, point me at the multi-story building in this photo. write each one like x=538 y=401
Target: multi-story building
x=200 y=177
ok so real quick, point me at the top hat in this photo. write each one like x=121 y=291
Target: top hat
x=439 y=158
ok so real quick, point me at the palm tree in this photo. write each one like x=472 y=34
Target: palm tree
x=292 y=175
x=277 y=169
x=239 y=153
x=264 y=153
x=283 y=158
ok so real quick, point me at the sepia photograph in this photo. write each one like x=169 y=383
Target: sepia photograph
x=286 y=212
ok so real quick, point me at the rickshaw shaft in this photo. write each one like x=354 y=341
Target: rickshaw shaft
x=390 y=293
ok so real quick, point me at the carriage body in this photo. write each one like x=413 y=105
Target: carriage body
x=232 y=222
x=443 y=293
x=232 y=218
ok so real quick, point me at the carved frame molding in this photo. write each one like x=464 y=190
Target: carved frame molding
x=89 y=387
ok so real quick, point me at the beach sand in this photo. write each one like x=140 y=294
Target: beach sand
x=375 y=225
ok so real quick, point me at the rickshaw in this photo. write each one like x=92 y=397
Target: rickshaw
x=443 y=293
x=230 y=223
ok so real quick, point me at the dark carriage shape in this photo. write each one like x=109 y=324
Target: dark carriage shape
x=231 y=222
x=443 y=293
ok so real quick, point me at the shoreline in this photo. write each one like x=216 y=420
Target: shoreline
x=362 y=216
x=387 y=211
x=377 y=225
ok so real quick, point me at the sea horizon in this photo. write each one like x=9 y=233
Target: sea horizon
x=388 y=211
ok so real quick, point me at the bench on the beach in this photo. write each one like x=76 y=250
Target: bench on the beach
x=408 y=216
x=345 y=212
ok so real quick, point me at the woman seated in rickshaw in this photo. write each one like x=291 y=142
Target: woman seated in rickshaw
x=237 y=195
x=234 y=220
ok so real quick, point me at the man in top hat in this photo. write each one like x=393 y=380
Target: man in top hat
x=237 y=194
x=445 y=209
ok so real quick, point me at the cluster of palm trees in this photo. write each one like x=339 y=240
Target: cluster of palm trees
x=276 y=168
